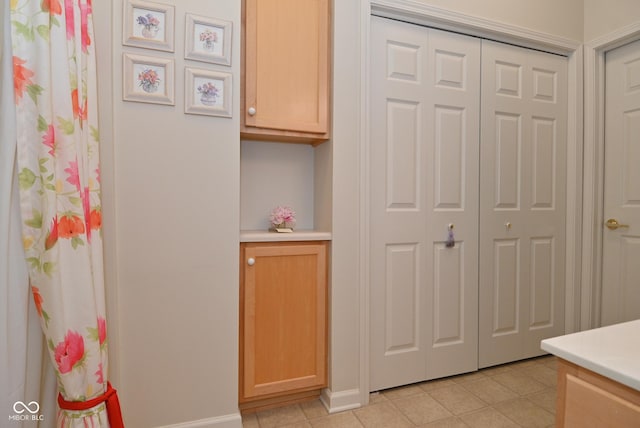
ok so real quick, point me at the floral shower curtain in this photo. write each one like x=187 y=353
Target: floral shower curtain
x=59 y=179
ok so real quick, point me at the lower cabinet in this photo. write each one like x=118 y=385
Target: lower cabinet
x=283 y=322
x=587 y=399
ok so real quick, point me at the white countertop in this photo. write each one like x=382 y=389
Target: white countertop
x=296 y=235
x=612 y=351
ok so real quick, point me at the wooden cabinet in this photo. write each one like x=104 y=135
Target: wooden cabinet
x=286 y=70
x=587 y=399
x=283 y=322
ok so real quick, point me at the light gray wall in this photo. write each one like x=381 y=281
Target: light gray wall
x=560 y=18
x=171 y=224
x=273 y=174
x=603 y=17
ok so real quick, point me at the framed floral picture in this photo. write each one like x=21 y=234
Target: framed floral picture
x=148 y=79
x=148 y=25
x=208 y=40
x=207 y=92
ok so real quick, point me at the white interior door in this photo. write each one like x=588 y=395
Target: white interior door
x=621 y=245
x=423 y=167
x=522 y=207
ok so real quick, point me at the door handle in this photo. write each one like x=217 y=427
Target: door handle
x=613 y=224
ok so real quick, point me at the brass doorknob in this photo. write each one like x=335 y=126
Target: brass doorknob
x=613 y=224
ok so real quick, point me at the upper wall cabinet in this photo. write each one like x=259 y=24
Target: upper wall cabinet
x=286 y=70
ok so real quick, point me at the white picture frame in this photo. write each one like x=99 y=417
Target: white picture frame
x=199 y=83
x=148 y=25
x=148 y=79
x=208 y=39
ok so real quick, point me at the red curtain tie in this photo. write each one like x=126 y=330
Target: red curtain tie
x=110 y=397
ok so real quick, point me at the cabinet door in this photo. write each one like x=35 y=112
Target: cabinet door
x=286 y=66
x=587 y=399
x=283 y=318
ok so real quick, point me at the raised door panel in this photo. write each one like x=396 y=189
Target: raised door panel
x=283 y=318
x=286 y=67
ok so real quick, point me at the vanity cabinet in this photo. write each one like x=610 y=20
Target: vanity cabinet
x=286 y=70
x=283 y=322
x=587 y=399
x=598 y=376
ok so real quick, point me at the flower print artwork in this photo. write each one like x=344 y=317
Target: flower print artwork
x=208 y=93
x=209 y=39
x=150 y=25
x=148 y=79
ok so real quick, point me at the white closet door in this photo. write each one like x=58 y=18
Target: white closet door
x=621 y=246
x=398 y=350
x=423 y=167
x=523 y=201
x=452 y=145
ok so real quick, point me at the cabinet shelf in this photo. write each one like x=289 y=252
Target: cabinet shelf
x=296 y=235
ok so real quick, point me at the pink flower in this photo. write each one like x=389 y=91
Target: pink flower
x=49 y=139
x=85 y=10
x=102 y=330
x=69 y=352
x=74 y=175
x=68 y=13
x=283 y=216
x=99 y=374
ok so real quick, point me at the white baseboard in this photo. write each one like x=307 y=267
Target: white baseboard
x=340 y=401
x=233 y=420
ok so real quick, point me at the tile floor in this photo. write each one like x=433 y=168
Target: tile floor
x=520 y=394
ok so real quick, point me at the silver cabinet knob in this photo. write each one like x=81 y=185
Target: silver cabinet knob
x=252 y=111
x=251 y=261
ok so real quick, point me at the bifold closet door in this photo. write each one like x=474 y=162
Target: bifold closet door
x=424 y=98
x=523 y=202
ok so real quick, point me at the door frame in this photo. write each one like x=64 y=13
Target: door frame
x=423 y=14
x=593 y=186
